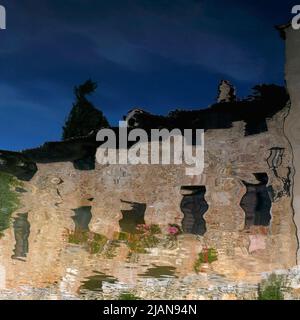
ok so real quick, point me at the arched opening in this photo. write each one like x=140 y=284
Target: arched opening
x=257 y=202
x=193 y=206
x=132 y=217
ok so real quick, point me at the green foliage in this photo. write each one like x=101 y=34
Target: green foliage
x=84 y=118
x=142 y=240
x=9 y=200
x=122 y=236
x=78 y=237
x=128 y=296
x=97 y=243
x=94 y=241
x=207 y=255
x=139 y=244
x=155 y=229
x=271 y=288
x=141 y=229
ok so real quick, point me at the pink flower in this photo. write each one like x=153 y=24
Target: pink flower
x=173 y=230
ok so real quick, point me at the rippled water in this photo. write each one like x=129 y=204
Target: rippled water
x=49 y=250
x=45 y=256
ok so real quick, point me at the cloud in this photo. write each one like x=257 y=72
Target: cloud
x=13 y=100
x=135 y=34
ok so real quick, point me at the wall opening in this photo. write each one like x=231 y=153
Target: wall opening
x=255 y=126
x=257 y=202
x=193 y=206
x=21 y=227
x=87 y=163
x=82 y=218
x=132 y=217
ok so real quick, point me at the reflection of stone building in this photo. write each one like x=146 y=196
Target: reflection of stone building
x=233 y=162
x=240 y=206
x=292 y=129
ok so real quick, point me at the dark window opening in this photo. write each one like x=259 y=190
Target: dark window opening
x=21 y=230
x=257 y=202
x=132 y=217
x=255 y=126
x=193 y=206
x=87 y=163
x=82 y=218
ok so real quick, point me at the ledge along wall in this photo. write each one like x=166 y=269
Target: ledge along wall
x=292 y=123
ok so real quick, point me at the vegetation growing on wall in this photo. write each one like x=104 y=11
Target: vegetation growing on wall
x=94 y=242
x=271 y=288
x=144 y=238
x=128 y=296
x=207 y=255
x=9 y=200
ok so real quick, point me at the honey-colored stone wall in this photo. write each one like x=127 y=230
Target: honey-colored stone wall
x=292 y=125
x=230 y=159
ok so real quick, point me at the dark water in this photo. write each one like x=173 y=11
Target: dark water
x=95 y=282
x=159 y=272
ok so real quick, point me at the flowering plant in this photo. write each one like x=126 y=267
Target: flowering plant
x=143 y=239
x=174 y=230
x=148 y=229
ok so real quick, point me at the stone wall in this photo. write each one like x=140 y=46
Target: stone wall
x=231 y=160
x=247 y=244
x=292 y=125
